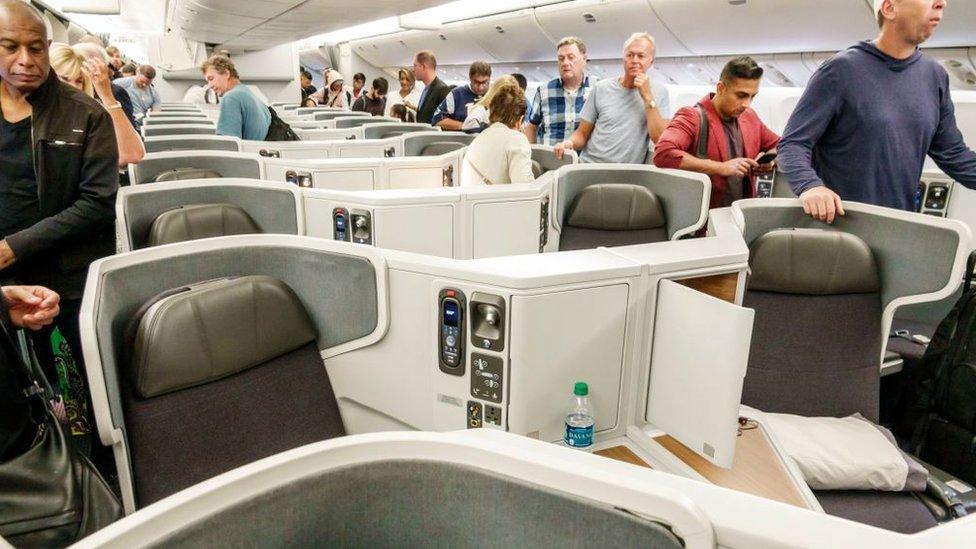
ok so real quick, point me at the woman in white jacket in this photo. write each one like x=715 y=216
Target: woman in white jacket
x=501 y=153
x=409 y=94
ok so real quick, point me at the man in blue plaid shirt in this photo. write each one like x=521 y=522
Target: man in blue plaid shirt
x=557 y=105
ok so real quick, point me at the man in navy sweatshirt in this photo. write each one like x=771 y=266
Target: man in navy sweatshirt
x=869 y=116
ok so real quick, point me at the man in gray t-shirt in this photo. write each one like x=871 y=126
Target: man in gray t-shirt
x=621 y=114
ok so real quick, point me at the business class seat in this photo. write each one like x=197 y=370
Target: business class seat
x=545 y=161
x=604 y=205
x=383 y=130
x=356 y=121
x=179 y=129
x=437 y=148
x=151 y=215
x=613 y=214
x=821 y=298
x=183 y=165
x=220 y=374
x=416 y=143
x=192 y=143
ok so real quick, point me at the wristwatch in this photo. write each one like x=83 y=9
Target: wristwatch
x=650 y=104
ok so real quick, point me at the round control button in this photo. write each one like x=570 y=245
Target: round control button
x=450 y=340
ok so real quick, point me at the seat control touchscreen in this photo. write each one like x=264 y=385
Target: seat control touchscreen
x=450 y=340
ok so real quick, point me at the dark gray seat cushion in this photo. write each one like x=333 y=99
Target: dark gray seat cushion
x=181 y=174
x=401 y=503
x=895 y=511
x=812 y=261
x=438 y=148
x=195 y=221
x=613 y=215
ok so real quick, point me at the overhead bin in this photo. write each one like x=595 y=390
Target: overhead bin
x=75 y=33
x=957 y=28
x=390 y=50
x=605 y=25
x=691 y=70
x=711 y=27
x=452 y=45
x=59 y=33
x=515 y=37
x=313 y=59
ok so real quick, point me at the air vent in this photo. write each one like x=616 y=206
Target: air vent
x=589 y=18
x=499 y=29
x=442 y=37
x=402 y=43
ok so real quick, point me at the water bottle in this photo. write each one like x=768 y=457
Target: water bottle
x=579 y=420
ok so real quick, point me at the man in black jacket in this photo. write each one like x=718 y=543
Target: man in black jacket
x=58 y=172
x=435 y=90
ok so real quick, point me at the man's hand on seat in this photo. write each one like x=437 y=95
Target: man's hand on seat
x=31 y=307
x=822 y=203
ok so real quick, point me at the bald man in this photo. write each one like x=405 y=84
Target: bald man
x=58 y=173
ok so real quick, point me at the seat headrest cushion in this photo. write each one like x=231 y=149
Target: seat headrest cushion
x=437 y=148
x=181 y=174
x=812 y=262
x=195 y=221
x=214 y=330
x=616 y=207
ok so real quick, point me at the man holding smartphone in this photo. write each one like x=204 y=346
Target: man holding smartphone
x=732 y=146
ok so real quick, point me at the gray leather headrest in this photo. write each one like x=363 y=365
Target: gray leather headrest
x=180 y=174
x=390 y=133
x=195 y=221
x=537 y=169
x=616 y=207
x=437 y=148
x=812 y=262
x=214 y=330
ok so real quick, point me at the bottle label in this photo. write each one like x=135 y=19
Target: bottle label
x=579 y=437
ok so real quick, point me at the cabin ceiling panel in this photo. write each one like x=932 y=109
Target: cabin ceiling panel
x=711 y=27
x=512 y=37
x=604 y=25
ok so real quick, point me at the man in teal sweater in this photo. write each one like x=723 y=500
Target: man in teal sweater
x=241 y=113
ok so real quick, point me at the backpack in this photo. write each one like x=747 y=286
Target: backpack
x=941 y=401
x=279 y=130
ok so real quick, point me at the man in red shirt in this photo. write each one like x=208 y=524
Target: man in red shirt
x=735 y=137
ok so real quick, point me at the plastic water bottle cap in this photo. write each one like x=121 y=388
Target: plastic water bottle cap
x=581 y=389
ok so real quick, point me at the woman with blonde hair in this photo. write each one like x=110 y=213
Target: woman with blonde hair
x=477 y=119
x=408 y=95
x=501 y=153
x=91 y=75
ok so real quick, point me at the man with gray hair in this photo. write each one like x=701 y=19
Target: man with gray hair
x=556 y=107
x=622 y=114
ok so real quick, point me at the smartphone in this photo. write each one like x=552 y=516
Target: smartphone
x=766 y=158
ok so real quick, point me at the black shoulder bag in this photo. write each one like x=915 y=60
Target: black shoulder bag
x=701 y=149
x=50 y=495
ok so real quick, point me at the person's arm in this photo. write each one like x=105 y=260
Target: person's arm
x=94 y=208
x=449 y=124
x=588 y=118
x=30 y=307
x=680 y=136
x=520 y=161
x=231 y=118
x=131 y=149
x=655 y=122
x=444 y=108
x=948 y=149
x=531 y=128
x=816 y=108
x=156 y=101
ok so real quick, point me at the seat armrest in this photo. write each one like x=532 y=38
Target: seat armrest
x=957 y=497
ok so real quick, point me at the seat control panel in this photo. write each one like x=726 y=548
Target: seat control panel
x=362 y=227
x=764 y=184
x=340 y=224
x=487 y=382
x=302 y=179
x=932 y=197
x=450 y=331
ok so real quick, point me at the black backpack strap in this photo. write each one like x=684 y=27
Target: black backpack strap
x=970 y=266
x=701 y=148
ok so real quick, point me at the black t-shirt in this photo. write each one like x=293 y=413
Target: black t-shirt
x=19 y=203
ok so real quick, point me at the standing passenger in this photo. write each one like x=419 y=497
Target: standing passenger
x=144 y=96
x=308 y=88
x=58 y=175
x=358 y=83
x=241 y=113
x=435 y=90
x=409 y=92
x=869 y=116
x=501 y=154
x=734 y=135
x=373 y=101
x=621 y=114
x=454 y=109
x=557 y=104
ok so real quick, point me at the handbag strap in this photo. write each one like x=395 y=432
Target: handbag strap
x=701 y=149
x=39 y=385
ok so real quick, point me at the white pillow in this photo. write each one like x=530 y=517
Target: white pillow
x=848 y=453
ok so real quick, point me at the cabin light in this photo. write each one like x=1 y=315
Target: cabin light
x=442 y=37
x=589 y=18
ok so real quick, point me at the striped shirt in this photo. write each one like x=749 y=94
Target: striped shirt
x=556 y=110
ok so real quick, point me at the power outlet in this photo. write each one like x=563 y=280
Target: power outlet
x=493 y=415
x=474 y=414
